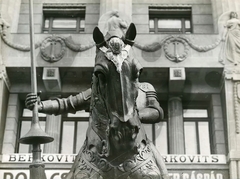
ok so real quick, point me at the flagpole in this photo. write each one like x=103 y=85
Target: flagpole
x=36 y=136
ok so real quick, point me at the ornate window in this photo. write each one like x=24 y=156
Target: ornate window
x=170 y=19
x=63 y=18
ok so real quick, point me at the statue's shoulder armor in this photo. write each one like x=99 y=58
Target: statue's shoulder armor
x=145 y=87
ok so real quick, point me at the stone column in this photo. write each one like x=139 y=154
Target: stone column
x=232 y=97
x=4 y=94
x=124 y=6
x=218 y=130
x=176 y=127
x=53 y=128
x=11 y=124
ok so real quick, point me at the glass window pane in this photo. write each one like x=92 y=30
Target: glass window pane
x=67 y=137
x=169 y=23
x=187 y=24
x=82 y=23
x=64 y=23
x=46 y=23
x=204 y=140
x=190 y=137
x=151 y=23
x=148 y=129
x=161 y=137
x=81 y=134
x=195 y=113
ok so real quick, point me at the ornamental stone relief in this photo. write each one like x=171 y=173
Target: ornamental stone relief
x=53 y=49
x=176 y=48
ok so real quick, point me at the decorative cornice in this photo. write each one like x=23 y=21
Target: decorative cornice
x=237 y=105
x=232 y=74
x=62 y=5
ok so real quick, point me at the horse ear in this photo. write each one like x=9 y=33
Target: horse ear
x=130 y=34
x=98 y=37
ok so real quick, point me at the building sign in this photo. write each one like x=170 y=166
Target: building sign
x=199 y=174
x=24 y=174
x=46 y=158
x=65 y=158
x=195 y=159
x=60 y=174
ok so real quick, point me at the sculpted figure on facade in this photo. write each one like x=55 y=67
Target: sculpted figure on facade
x=231 y=38
x=3 y=26
x=116 y=144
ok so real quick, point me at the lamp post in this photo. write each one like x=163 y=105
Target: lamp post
x=35 y=136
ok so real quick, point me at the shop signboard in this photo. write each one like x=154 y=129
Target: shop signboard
x=175 y=174
x=69 y=158
x=186 y=173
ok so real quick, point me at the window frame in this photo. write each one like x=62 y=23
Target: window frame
x=181 y=13
x=64 y=11
x=199 y=105
x=65 y=118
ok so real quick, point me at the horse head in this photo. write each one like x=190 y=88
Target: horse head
x=115 y=86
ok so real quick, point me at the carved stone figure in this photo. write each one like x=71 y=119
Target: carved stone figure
x=3 y=26
x=231 y=37
x=116 y=144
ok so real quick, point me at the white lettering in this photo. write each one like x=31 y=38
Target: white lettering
x=193 y=175
x=21 y=176
x=65 y=158
x=199 y=176
x=185 y=176
x=206 y=176
x=219 y=176
x=176 y=176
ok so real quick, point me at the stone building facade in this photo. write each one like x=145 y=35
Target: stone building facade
x=180 y=46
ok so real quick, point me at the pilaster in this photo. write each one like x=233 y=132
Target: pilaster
x=53 y=126
x=176 y=126
x=10 y=132
x=232 y=96
x=4 y=93
x=218 y=130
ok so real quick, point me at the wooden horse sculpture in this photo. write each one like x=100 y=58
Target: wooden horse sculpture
x=116 y=145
